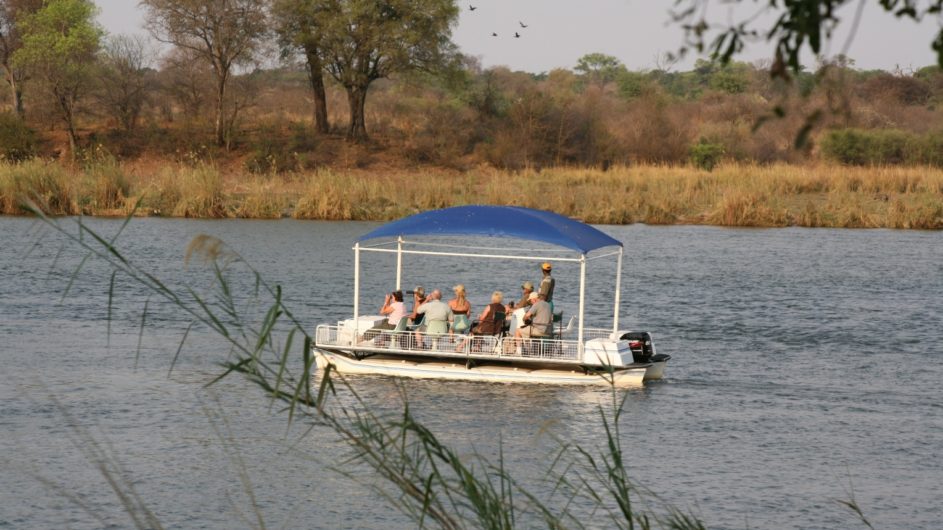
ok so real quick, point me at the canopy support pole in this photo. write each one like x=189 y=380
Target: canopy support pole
x=582 y=300
x=399 y=262
x=615 y=311
x=353 y=340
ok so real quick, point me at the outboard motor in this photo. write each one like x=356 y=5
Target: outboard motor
x=640 y=342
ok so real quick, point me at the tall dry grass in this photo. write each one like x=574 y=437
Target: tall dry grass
x=731 y=195
x=45 y=183
x=184 y=191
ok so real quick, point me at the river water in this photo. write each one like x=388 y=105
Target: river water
x=806 y=370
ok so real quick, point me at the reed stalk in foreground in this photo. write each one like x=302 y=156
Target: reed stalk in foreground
x=413 y=470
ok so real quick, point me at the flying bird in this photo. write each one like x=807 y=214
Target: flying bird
x=494 y=34
x=522 y=24
x=471 y=7
x=517 y=35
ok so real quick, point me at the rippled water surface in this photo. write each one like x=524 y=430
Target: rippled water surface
x=806 y=369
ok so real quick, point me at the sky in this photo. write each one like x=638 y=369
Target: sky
x=637 y=32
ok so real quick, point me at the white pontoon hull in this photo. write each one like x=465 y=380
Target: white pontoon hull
x=453 y=371
x=656 y=371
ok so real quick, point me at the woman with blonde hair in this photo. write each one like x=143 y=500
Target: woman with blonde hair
x=491 y=319
x=490 y=322
x=461 y=308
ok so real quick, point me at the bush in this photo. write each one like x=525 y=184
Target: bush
x=272 y=152
x=706 y=155
x=17 y=141
x=882 y=147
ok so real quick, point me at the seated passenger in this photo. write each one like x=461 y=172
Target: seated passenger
x=395 y=310
x=461 y=308
x=419 y=298
x=491 y=319
x=538 y=319
x=436 y=314
x=526 y=289
x=517 y=317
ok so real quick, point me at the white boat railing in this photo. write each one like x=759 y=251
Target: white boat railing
x=597 y=333
x=445 y=345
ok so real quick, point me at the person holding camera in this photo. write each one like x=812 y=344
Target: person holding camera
x=394 y=308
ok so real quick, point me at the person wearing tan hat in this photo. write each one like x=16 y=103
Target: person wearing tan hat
x=526 y=289
x=419 y=298
x=547 y=283
x=538 y=320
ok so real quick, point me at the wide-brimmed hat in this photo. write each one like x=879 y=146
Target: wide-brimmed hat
x=533 y=296
x=546 y=266
x=528 y=285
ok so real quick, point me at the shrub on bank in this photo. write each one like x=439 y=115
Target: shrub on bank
x=882 y=147
x=274 y=152
x=17 y=141
x=706 y=155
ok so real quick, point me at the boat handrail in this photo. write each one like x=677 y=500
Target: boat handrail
x=553 y=350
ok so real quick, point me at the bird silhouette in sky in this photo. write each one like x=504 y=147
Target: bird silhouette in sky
x=471 y=7
x=522 y=24
x=517 y=35
x=494 y=34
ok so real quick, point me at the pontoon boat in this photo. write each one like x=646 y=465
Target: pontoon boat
x=586 y=355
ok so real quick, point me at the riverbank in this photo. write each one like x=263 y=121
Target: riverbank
x=731 y=195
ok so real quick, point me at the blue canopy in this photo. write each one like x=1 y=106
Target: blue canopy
x=499 y=221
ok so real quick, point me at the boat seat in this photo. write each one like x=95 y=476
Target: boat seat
x=461 y=324
x=399 y=332
x=500 y=323
x=434 y=330
x=557 y=323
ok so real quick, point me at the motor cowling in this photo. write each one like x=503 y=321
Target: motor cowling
x=640 y=342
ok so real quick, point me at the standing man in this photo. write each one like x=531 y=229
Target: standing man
x=546 y=284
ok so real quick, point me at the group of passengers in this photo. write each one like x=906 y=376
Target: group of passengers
x=530 y=317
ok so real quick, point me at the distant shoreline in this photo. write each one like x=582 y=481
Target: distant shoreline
x=743 y=195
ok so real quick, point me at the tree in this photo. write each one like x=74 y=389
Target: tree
x=188 y=82
x=224 y=33
x=10 y=42
x=296 y=23
x=599 y=68
x=59 y=46
x=797 y=24
x=365 y=40
x=125 y=67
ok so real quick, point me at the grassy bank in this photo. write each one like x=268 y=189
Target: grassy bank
x=731 y=195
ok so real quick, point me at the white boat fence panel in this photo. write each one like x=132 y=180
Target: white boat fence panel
x=449 y=345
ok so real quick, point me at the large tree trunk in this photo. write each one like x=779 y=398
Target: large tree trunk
x=316 y=76
x=357 y=98
x=16 y=91
x=67 y=101
x=17 y=102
